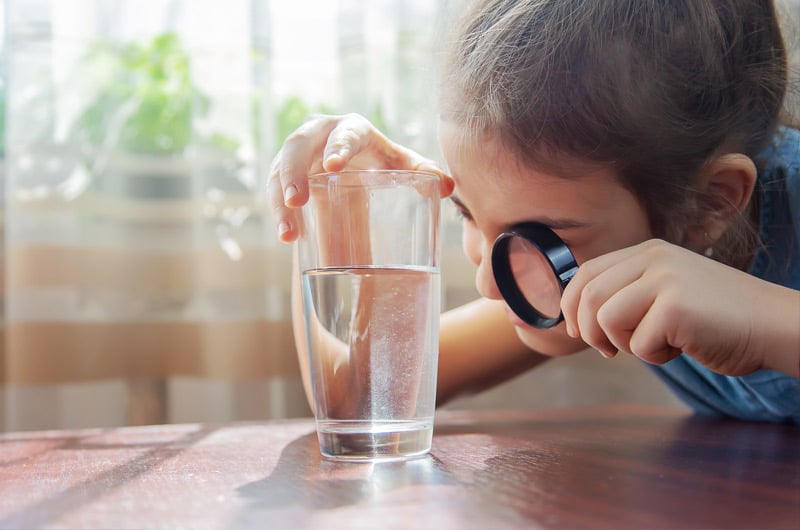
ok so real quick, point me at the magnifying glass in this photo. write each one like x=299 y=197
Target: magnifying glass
x=532 y=266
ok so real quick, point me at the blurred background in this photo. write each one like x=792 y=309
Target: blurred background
x=142 y=279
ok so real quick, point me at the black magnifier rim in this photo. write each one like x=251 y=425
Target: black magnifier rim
x=558 y=256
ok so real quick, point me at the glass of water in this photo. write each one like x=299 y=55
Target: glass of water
x=369 y=259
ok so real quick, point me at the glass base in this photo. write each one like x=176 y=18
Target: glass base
x=371 y=441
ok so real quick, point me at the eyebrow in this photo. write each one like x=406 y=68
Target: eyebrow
x=552 y=223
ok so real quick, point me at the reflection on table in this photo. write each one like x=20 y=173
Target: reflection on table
x=611 y=467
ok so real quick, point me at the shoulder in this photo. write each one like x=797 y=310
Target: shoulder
x=781 y=159
x=780 y=170
x=778 y=258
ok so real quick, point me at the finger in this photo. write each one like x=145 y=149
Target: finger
x=282 y=216
x=650 y=340
x=357 y=144
x=591 y=269
x=300 y=156
x=623 y=312
x=587 y=273
x=351 y=136
x=446 y=182
x=594 y=287
x=592 y=334
x=356 y=139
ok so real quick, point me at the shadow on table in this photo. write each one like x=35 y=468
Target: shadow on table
x=308 y=491
x=302 y=478
x=640 y=472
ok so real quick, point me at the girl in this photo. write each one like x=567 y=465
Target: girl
x=645 y=137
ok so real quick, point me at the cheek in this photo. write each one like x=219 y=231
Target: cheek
x=530 y=337
x=471 y=243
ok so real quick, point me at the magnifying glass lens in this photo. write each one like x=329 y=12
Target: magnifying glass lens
x=535 y=277
x=532 y=266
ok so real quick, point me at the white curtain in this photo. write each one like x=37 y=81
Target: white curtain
x=143 y=279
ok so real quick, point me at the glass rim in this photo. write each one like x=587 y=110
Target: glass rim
x=415 y=176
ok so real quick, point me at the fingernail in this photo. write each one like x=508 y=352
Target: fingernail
x=289 y=192
x=283 y=228
x=608 y=354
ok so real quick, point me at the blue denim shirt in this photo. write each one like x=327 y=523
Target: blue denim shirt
x=765 y=395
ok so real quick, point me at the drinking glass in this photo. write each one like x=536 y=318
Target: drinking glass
x=369 y=261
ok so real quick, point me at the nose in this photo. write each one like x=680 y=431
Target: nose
x=484 y=276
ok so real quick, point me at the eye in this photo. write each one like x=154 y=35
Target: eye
x=461 y=212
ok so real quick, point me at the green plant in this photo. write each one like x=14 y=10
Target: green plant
x=146 y=101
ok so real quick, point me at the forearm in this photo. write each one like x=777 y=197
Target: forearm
x=479 y=348
x=299 y=328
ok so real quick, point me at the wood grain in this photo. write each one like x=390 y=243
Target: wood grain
x=613 y=467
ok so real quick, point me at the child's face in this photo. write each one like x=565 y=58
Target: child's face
x=591 y=211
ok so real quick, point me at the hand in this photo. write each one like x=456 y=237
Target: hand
x=333 y=143
x=656 y=300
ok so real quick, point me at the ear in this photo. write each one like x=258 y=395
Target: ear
x=724 y=188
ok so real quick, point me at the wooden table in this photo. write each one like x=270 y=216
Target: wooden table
x=623 y=467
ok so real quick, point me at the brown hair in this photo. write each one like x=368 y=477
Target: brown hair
x=654 y=88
